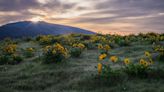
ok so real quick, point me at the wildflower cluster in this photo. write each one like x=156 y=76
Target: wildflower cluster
x=104 y=49
x=139 y=69
x=160 y=50
x=9 y=55
x=10 y=49
x=55 y=53
x=98 y=39
x=135 y=69
x=46 y=39
x=149 y=60
x=79 y=45
x=103 y=64
x=77 y=49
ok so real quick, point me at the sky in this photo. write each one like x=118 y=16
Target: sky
x=102 y=16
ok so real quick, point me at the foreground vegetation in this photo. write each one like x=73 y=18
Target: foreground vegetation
x=83 y=63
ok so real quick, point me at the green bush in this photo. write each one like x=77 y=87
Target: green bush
x=89 y=45
x=107 y=71
x=124 y=42
x=55 y=53
x=29 y=52
x=17 y=59
x=10 y=59
x=75 y=52
x=160 y=50
x=137 y=70
x=4 y=59
x=46 y=39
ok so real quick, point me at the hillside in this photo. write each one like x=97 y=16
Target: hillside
x=83 y=63
x=30 y=29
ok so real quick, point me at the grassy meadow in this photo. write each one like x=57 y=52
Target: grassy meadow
x=83 y=63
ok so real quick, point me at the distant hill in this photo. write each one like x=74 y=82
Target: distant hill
x=30 y=29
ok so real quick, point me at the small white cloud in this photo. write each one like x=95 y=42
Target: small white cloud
x=43 y=1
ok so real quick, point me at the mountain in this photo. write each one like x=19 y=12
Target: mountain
x=30 y=29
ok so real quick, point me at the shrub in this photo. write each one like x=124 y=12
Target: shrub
x=9 y=49
x=4 y=59
x=9 y=55
x=55 y=53
x=45 y=40
x=108 y=72
x=27 y=39
x=85 y=37
x=29 y=52
x=10 y=59
x=89 y=45
x=99 y=39
x=141 y=69
x=160 y=50
x=17 y=59
x=136 y=70
x=103 y=67
x=103 y=49
x=124 y=42
x=77 y=50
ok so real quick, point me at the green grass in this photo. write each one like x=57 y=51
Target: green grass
x=74 y=75
x=78 y=74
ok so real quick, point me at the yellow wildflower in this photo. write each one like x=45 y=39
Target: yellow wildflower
x=107 y=47
x=100 y=46
x=146 y=64
x=102 y=57
x=103 y=39
x=80 y=45
x=58 y=47
x=151 y=62
x=30 y=49
x=147 y=54
x=142 y=61
x=99 y=68
x=114 y=58
x=74 y=45
x=126 y=61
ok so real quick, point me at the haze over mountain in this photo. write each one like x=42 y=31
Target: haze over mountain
x=28 y=29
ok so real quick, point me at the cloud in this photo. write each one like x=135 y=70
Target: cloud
x=132 y=4
x=98 y=15
x=17 y=5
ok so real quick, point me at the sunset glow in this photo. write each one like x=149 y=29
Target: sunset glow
x=36 y=19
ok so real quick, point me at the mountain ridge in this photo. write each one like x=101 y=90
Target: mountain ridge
x=31 y=29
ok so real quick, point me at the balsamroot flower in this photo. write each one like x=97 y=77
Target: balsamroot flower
x=99 y=66
x=114 y=58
